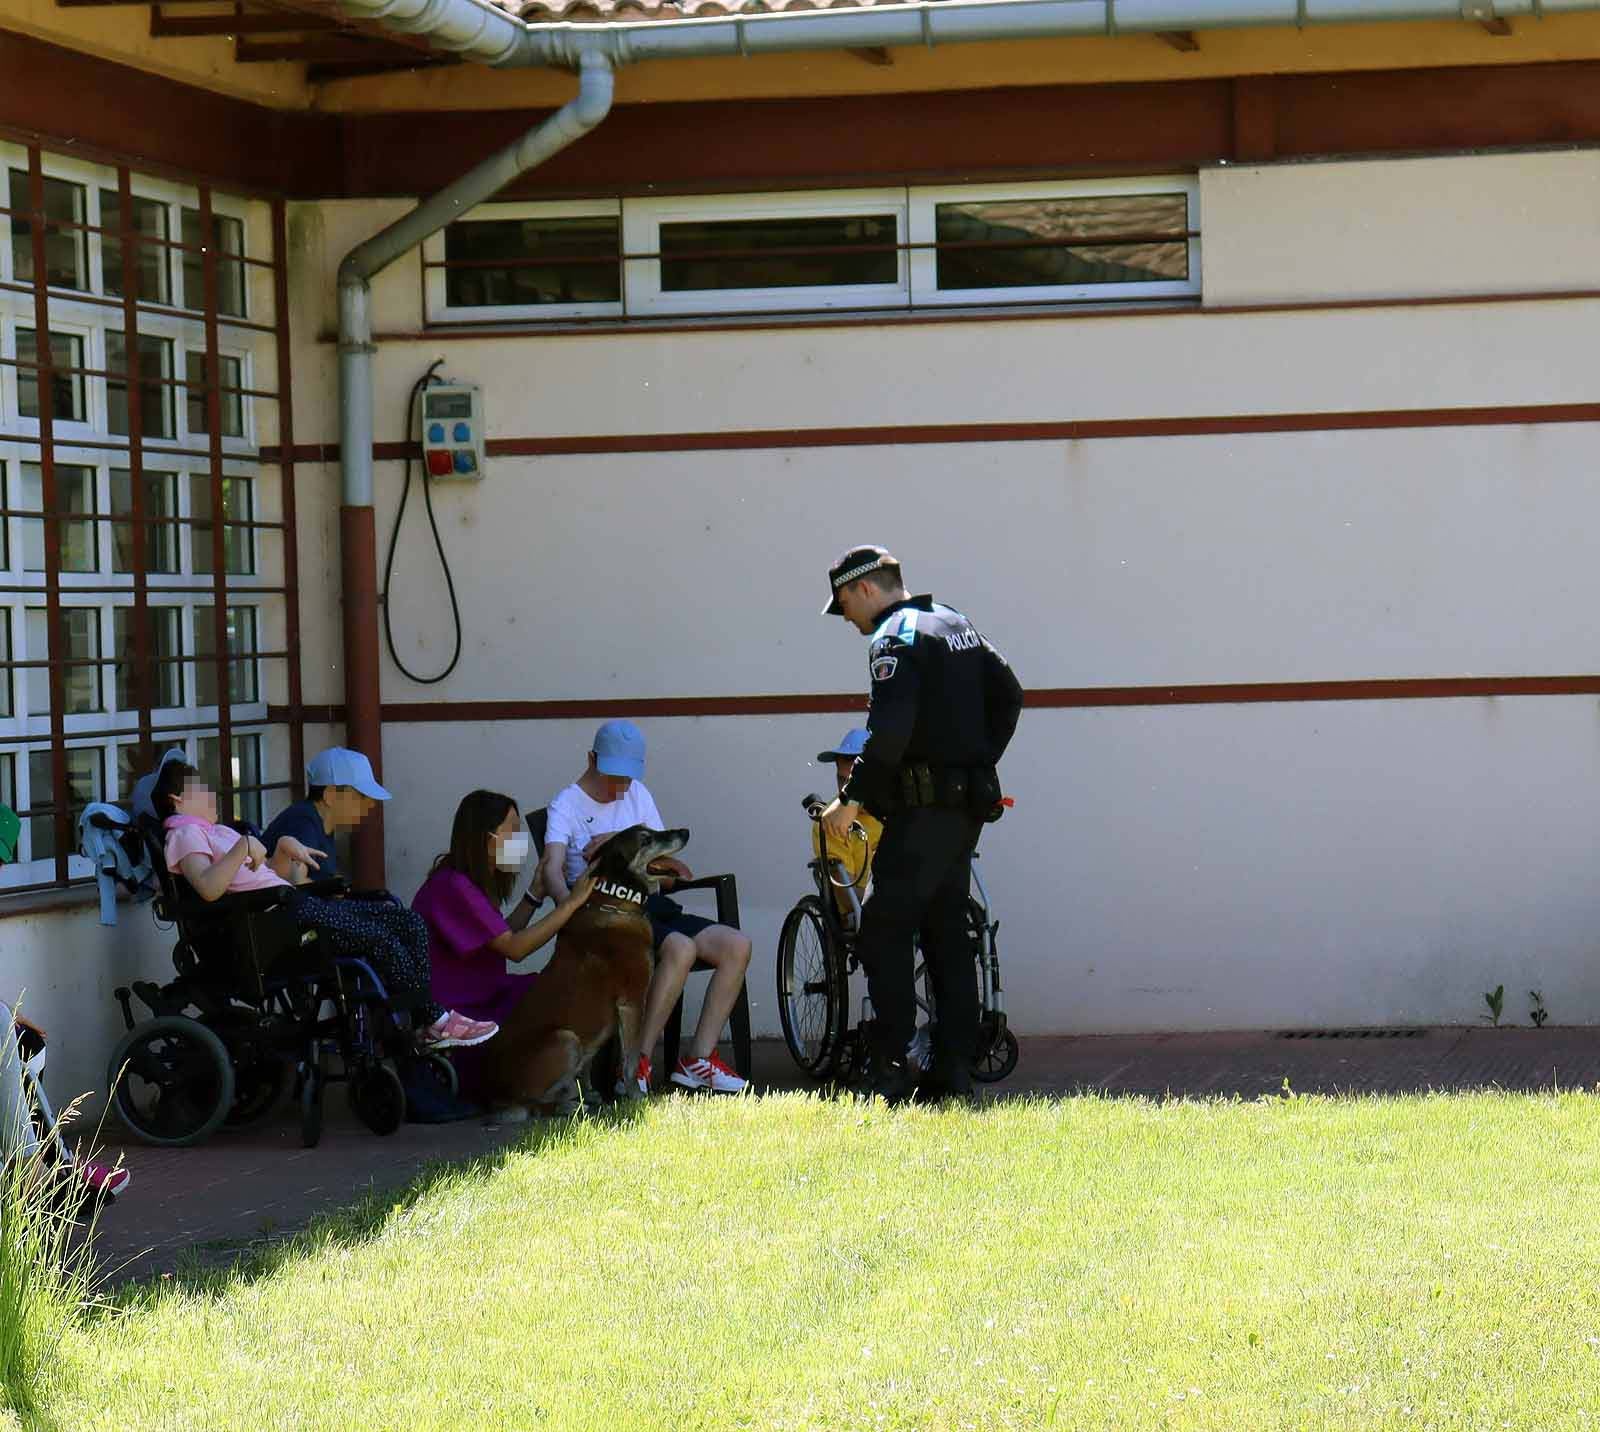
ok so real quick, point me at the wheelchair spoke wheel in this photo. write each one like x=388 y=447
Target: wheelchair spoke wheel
x=172 y=1080
x=997 y=1054
x=378 y=1098
x=812 y=992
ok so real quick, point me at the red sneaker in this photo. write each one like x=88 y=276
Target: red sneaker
x=708 y=1073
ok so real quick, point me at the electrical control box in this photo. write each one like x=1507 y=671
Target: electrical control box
x=452 y=431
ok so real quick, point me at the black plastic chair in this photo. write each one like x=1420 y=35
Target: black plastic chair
x=727 y=897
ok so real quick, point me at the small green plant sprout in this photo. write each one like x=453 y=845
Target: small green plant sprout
x=1496 y=1000
x=1536 y=1010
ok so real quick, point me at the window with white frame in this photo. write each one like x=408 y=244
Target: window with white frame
x=155 y=326
x=1100 y=241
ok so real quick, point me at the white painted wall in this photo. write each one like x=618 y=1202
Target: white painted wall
x=1164 y=868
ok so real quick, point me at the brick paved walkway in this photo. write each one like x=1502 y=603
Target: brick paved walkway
x=210 y=1202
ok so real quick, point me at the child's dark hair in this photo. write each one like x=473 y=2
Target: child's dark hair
x=477 y=818
x=170 y=783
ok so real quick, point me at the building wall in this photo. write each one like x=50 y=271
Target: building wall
x=1301 y=862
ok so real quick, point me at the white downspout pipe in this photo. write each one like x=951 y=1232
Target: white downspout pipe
x=481 y=31
x=357 y=530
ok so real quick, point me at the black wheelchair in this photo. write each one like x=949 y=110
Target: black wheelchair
x=257 y=1004
x=817 y=957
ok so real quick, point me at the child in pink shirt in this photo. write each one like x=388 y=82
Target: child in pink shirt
x=217 y=861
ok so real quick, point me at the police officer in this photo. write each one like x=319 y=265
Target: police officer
x=943 y=706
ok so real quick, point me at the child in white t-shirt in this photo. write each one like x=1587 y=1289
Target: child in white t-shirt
x=608 y=797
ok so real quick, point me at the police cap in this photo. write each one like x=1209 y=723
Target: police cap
x=855 y=564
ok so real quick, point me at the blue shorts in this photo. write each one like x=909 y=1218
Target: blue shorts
x=668 y=917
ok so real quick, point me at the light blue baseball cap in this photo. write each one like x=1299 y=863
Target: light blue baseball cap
x=619 y=750
x=854 y=743
x=340 y=766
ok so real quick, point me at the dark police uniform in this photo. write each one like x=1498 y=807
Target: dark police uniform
x=943 y=708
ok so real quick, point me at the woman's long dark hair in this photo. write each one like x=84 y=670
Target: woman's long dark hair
x=477 y=818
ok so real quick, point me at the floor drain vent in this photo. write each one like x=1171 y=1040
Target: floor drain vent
x=1352 y=1034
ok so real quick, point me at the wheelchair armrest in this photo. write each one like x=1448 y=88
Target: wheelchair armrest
x=235 y=902
x=726 y=888
x=387 y=897
x=329 y=887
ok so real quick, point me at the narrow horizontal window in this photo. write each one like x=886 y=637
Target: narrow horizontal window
x=1029 y=243
x=778 y=252
x=516 y=263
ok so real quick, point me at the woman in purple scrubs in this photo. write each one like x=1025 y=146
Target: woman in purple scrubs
x=469 y=940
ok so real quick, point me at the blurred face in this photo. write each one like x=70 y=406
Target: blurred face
x=842 y=768
x=346 y=807
x=612 y=788
x=508 y=843
x=198 y=799
x=859 y=603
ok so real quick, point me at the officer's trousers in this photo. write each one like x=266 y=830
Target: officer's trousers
x=921 y=876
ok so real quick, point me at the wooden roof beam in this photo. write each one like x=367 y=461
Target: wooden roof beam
x=1181 y=40
x=164 y=26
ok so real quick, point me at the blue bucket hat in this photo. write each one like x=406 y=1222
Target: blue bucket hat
x=619 y=750
x=854 y=743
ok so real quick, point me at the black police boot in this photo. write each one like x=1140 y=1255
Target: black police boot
x=948 y=1083
x=892 y=1080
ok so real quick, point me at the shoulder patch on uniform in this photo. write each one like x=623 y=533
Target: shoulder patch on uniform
x=883 y=667
x=900 y=629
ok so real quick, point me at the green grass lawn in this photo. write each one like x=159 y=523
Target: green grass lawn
x=793 y=1263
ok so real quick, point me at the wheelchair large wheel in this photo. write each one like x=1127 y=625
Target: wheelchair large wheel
x=813 y=994
x=378 y=1098
x=171 y=1081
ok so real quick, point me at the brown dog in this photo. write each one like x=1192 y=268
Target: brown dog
x=592 y=989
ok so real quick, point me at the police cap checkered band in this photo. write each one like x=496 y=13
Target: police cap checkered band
x=855 y=563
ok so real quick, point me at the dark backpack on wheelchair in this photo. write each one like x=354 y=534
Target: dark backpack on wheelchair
x=257 y=1004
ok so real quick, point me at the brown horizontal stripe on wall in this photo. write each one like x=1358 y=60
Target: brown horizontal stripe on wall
x=1088 y=430
x=1422 y=688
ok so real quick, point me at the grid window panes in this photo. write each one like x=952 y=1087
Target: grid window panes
x=1033 y=243
x=557 y=260
x=85 y=784
x=66 y=248
x=243 y=687
x=230 y=399
x=165 y=668
x=80 y=649
x=107 y=281
x=779 y=252
x=160 y=513
x=238 y=500
x=75 y=494
x=228 y=241
x=67 y=403
x=152 y=268
x=155 y=365
x=246 y=770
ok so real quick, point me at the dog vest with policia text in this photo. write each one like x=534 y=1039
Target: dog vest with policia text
x=619 y=892
x=944 y=704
